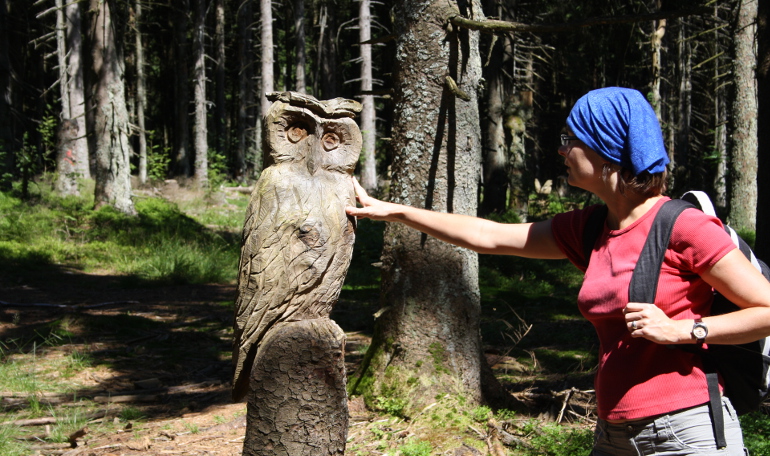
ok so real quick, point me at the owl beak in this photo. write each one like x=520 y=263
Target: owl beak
x=311 y=164
x=312 y=145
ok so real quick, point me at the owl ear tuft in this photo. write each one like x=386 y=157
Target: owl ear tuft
x=337 y=107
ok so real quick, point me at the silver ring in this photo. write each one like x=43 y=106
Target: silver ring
x=633 y=325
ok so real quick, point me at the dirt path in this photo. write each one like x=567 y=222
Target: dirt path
x=158 y=369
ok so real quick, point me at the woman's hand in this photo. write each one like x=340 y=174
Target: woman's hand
x=371 y=208
x=648 y=321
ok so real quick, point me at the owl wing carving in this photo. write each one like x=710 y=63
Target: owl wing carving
x=297 y=240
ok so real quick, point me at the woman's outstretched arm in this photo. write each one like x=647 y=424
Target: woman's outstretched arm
x=531 y=240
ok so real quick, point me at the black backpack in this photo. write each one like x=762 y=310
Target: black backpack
x=744 y=368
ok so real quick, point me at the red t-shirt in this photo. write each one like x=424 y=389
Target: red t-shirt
x=638 y=378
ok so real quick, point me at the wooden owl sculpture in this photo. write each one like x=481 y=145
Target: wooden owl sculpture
x=288 y=356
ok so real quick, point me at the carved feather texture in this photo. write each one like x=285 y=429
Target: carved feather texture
x=297 y=240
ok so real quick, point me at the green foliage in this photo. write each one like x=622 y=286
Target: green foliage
x=556 y=440
x=417 y=448
x=391 y=405
x=756 y=433
x=158 y=158
x=130 y=413
x=481 y=414
x=47 y=130
x=217 y=169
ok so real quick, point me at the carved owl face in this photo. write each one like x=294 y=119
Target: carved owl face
x=321 y=134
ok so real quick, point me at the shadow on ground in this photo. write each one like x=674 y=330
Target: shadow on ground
x=164 y=349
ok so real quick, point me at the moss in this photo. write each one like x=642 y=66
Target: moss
x=439 y=356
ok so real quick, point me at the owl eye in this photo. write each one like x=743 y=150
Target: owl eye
x=330 y=140
x=296 y=133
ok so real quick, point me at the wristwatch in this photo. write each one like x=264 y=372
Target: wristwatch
x=700 y=331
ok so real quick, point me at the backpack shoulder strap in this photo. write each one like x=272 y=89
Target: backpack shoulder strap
x=644 y=281
x=592 y=230
x=644 y=287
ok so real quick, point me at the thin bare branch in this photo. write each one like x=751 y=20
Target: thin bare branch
x=496 y=26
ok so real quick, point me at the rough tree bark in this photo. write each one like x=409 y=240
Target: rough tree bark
x=762 y=246
x=61 y=55
x=77 y=88
x=288 y=356
x=299 y=37
x=200 y=129
x=719 y=181
x=266 y=62
x=326 y=74
x=495 y=154
x=368 y=114
x=246 y=121
x=658 y=31
x=66 y=172
x=6 y=133
x=430 y=302
x=743 y=125
x=182 y=165
x=681 y=152
x=111 y=127
x=220 y=110
x=141 y=94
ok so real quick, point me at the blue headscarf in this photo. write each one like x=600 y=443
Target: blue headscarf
x=620 y=125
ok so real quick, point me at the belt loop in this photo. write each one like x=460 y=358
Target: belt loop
x=662 y=425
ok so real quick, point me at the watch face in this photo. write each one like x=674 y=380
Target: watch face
x=699 y=332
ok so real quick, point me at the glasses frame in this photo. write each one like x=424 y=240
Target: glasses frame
x=565 y=139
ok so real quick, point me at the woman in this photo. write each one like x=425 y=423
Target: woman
x=650 y=399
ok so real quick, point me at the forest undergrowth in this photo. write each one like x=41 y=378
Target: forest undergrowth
x=115 y=338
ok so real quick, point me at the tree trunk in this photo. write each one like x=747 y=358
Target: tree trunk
x=66 y=173
x=368 y=114
x=719 y=181
x=246 y=119
x=181 y=9
x=762 y=246
x=426 y=340
x=266 y=60
x=77 y=89
x=141 y=94
x=298 y=405
x=659 y=30
x=200 y=127
x=113 y=178
x=743 y=128
x=681 y=176
x=299 y=35
x=61 y=55
x=220 y=101
x=495 y=154
x=6 y=131
x=326 y=74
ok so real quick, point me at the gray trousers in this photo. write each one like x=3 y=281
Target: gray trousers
x=685 y=432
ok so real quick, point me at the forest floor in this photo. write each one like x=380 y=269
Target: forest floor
x=156 y=380
x=143 y=369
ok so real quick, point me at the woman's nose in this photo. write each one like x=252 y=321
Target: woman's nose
x=564 y=150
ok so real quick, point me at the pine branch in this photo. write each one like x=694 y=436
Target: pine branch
x=497 y=26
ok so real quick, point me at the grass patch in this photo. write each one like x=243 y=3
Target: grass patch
x=756 y=433
x=160 y=245
x=9 y=446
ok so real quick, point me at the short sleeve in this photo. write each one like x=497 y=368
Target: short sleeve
x=699 y=241
x=567 y=229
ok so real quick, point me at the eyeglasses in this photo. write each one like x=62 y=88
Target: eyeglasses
x=565 y=139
